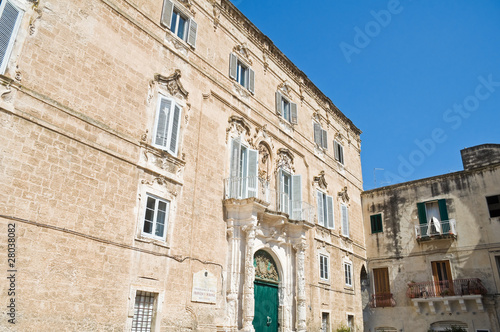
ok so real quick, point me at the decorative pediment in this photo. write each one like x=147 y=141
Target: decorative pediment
x=173 y=84
x=238 y=125
x=265 y=267
x=339 y=138
x=162 y=181
x=285 y=161
x=189 y=6
x=285 y=88
x=320 y=180
x=243 y=51
x=343 y=195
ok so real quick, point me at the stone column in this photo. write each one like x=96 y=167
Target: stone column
x=232 y=285
x=248 y=287
x=301 y=287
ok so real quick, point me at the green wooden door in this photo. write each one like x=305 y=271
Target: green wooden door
x=266 y=307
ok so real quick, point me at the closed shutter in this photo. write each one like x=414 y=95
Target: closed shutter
x=9 y=24
x=234 y=181
x=279 y=105
x=293 y=108
x=174 y=136
x=297 y=197
x=381 y=281
x=166 y=14
x=336 y=151
x=345 y=220
x=321 y=218
x=422 y=217
x=193 y=29
x=161 y=136
x=443 y=213
x=284 y=198
x=317 y=134
x=251 y=80
x=324 y=139
x=253 y=166
x=233 y=66
x=329 y=206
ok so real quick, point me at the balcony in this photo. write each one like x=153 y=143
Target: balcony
x=445 y=229
x=276 y=202
x=445 y=292
x=382 y=300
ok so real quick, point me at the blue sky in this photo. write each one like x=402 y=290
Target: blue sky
x=421 y=79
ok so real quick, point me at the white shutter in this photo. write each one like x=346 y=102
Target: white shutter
x=193 y=28
x=345 y=220
x=329 y=207
x=253 y=166
x=162 y=123
x=284 y=199
x=166 y=14
x=234 y=181
x=296 y=197
x=324 y=139
x=233 y=66
x=174 y=130
x=293 y=108
x=341 y=154
x=9 y=24
x=336 y=150
x=321 y=218
x=251 y=80
x=317 y=134
x=279 y=104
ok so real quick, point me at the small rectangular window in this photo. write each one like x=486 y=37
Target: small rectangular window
x=325 y=210
x=350 y=323
x=493 y=205
x=338 y=152
x=179 y=23
x=320 y=136
x=348 y=274
x=241 y=73
x=325 y=322
x=285 y=108
x=376 y=223
x=168 y=120
x=144 y=311
x=155 y=218
x=323 y=267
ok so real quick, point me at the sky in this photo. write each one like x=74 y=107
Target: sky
x=421 y=79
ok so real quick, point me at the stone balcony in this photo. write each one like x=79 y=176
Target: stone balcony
x=447 y=296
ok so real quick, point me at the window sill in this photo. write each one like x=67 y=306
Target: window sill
x=156 y=242
x=178 y=43
x=324 y=282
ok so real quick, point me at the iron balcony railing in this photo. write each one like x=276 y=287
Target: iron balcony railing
x=445 y=227
x=254 y=187
x=457 y=287
x=382 y=300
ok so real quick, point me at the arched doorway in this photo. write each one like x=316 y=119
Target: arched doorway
x=265 y=293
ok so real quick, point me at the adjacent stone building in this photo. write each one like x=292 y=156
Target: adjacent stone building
x=164 y=167
x=433 y=250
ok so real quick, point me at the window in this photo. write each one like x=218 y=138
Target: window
x=286 y=108
x=325 y=210
x=376 y=222
x=168 y=119
x=9 y=25
x=338 y=152
x=320 y=136
x=243 y=179
x=344 y=212
x=350 y=322
x=144 y=311
x=325 y=322
x=179 y=23
x=290 y=194
x=494 y=205
x=155 y=218
x=348 y=274
x=441 y=273
x=240 y=72
x=323 y=267
x=433 y=209
x=383 y=297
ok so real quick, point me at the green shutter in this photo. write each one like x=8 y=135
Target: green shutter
x=422 y=216
x=443 y=213
x=376 y=223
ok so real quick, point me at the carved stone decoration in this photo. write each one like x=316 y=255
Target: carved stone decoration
x=285 y=88
x=189 y=6
x=242 y=91
x=301 y=89
x=144 y=138
x=339 y=138
x=248 y=287
x=264 y=162
x=320 y=180
x=301 y=286
x=178 y=44
x=285 y=161
x=18 y=76
x=38 y=11
x=343 y=195
x=216 y=13
x=238 y=125
x=265 y=58
x=173 y=84
x=265 y=267
x=162 y=181
x=6 y=93
x=244 y=52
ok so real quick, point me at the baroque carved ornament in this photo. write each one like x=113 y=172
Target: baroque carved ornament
x=238 y=125
x=173 y=84
x=343 y=195
x=285 y=161
x=243 y=51
x=265 y=267
x=320 y=180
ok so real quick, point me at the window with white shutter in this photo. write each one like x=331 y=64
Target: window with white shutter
x=325 y=210
x=10 y=20
x=320 y=136
x=243 y=181
x=338 y=152
x=290 y=194
x=344 y=211
x=241 y=73
x=179 y=23
x=167 y=129
x=286 y=108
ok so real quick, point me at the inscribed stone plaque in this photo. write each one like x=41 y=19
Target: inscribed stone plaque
x=204 y=287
